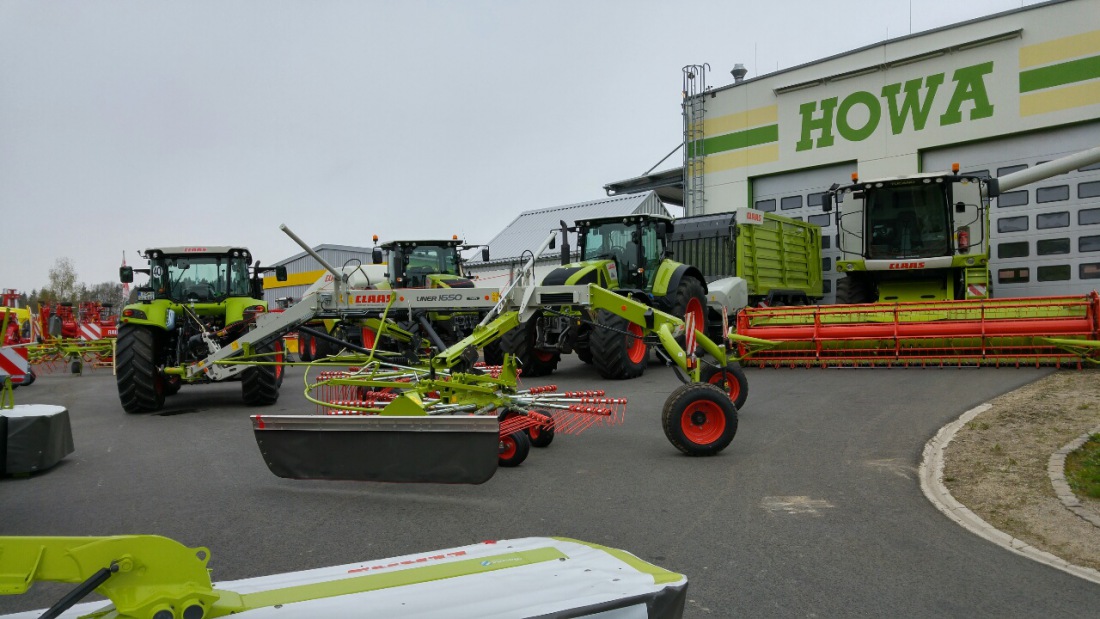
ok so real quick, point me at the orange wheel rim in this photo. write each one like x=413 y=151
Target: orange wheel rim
x=733 y=388
x=703 y=422
x=507 y=447
x=635 y=345
x=696 y=308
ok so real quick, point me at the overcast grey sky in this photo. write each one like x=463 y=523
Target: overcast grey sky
x=126 y=125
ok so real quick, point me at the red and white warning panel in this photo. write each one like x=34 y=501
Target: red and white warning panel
x=13 y=363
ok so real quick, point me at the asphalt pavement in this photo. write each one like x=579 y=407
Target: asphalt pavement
x=815 y=509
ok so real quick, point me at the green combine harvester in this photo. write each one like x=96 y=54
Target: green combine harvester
x=916 y=290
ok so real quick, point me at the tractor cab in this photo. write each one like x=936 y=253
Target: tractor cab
x=634 y=245
x=921 y=237
x=189 y=275
x=425 y=264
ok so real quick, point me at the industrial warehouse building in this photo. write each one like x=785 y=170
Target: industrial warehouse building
x=510 y=249
x=303 y=270
x=996 y=95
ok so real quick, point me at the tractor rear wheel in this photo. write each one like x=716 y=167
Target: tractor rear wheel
x=140 y=383
x=521 y=343
x=260 y=383
x=699 y=419
x=618 y=347
x=691 y=298
x=305 y=344
x=736 y=384
x=853 y=288
x=493 y=354
x=513 y=449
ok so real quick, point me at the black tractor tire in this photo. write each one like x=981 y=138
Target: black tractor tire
x=140 y=382
x=615 y=354
x=172 y=385
x=584 y=353
x=513 y=449
x=690 y=295
x=260 y=383
x=76 y=366
x=853 y=288
x=541 y=436
x=736 y=384
x=699 y=419
x=28 y=378
x=493 y=354
x=304 y=344
x=521 y=343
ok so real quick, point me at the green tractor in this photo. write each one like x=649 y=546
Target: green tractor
x=625 y=254
x=433 y=264
x=197 y=300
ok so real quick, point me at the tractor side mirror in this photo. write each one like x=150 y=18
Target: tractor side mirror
x=126 y=275
x=376 y=255
x=485 y=254
x=662 y=229
x=960 y=207
x=280 y=273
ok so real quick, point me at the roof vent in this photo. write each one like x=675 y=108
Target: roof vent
x=739 y=71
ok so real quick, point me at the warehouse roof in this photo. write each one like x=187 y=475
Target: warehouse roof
x=321 y=249
x=530 y=228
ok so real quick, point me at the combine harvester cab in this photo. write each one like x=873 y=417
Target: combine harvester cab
x=917 y=289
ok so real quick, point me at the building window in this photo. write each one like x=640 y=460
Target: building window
x=1012 y=250
x=1012 y=224
x=826 y=241
x=1095 y=166
x=827 y=286
x=821 y=220
x=790 y=202
x=1052 y=194
x=1088 y=243
x=826 y=264
x=1054 y=273
x=814 y=199
x=1051 y=247
x=1012 y=198
x=1014 y=276
x=1010 y=169
x=1088 y=216
x=978 y=173
x=797 y=218
x=1088 y=190
x=1090 y=270
x=768 y=206
x=1052 y=220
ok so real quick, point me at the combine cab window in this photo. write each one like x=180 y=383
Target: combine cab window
x=424 y=260
x=908 y=221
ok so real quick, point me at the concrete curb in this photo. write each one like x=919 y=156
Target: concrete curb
x=1056 y=468
x=931 y=483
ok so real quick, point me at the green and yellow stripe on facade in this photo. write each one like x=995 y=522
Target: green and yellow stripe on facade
x=1061 y=74
x=739 y=140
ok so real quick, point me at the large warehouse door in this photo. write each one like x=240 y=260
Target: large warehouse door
x=798 y=195
x=1045 y=236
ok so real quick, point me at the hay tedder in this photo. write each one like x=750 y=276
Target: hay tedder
x=382 y=416
x=917 y=289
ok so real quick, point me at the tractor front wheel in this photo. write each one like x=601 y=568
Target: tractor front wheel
x=140 y=383
x=493 y=354
x=513 y=449
x=260 y=383
x=618 y=347
x=691 y=299
x=521 y=343
x=699 y=419
x=731 y=378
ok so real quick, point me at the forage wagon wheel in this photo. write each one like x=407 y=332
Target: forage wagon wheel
x=260 y=384
x=699 y=419
x=542 y=435
x=306 y=347
x=513 y=449
x=618 y=347
x=736 y=384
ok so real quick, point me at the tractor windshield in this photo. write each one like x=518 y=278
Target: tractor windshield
x=908 y=220
x=200 y=278
x=424 y=260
